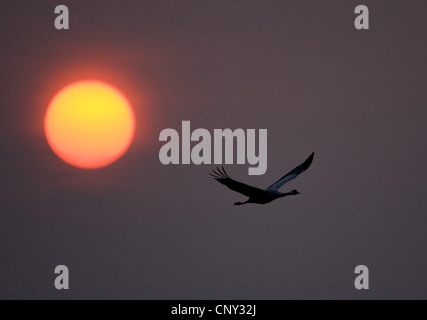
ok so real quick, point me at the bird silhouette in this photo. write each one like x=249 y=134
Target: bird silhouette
x=257 y=195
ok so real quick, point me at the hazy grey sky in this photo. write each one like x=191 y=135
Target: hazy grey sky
x=142 y=230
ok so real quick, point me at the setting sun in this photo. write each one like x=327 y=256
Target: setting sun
x=89 y=124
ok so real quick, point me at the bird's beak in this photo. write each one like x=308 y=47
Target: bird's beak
x=298 y=192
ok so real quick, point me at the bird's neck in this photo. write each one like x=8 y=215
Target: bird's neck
x=287 y=194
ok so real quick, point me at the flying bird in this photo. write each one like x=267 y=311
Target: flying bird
x=257 y=195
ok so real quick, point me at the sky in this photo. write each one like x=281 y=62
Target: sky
x=141 y=230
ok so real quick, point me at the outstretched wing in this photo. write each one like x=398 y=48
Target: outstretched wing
x=293 y=174
x=222 y=177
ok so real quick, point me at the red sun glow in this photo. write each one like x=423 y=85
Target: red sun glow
x=89 y=124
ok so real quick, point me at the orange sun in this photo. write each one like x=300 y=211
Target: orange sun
x=89 y=124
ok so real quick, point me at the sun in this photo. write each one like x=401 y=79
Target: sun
x=89 y=124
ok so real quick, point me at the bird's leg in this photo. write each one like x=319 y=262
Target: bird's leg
x=241 y=203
